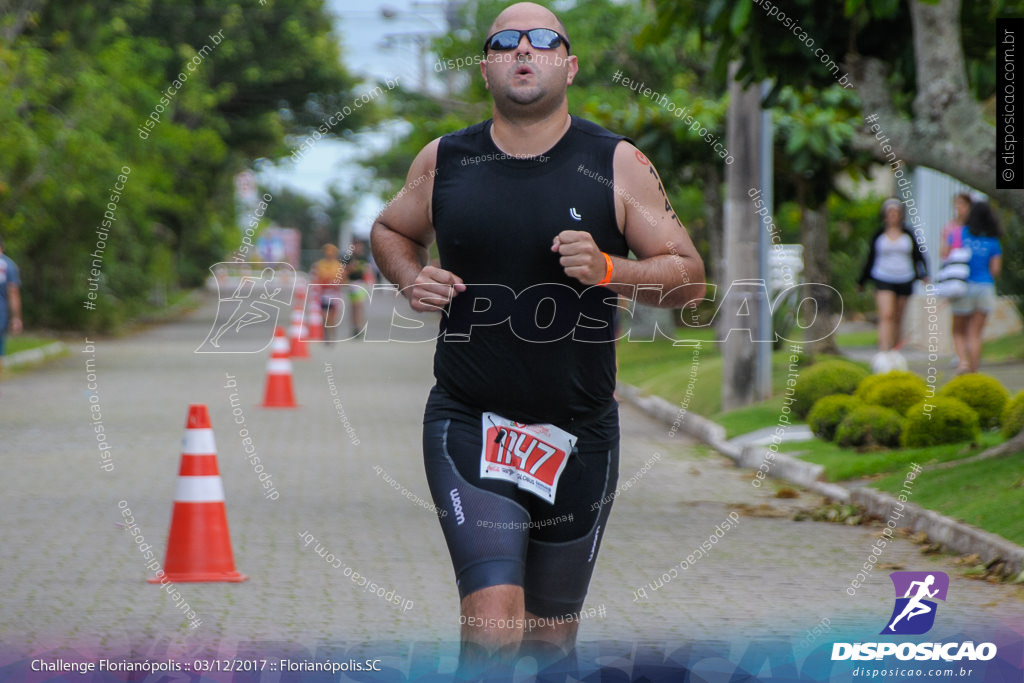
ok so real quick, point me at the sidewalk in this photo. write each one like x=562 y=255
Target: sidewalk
x=1010 y=373
x=72 y=577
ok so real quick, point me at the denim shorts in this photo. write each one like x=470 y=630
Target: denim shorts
x=980 y=298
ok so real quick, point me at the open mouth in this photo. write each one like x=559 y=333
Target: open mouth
x=523 y=70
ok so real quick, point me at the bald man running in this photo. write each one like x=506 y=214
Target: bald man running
x=521 y=434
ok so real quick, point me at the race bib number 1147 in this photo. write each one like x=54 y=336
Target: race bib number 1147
x=531 y=456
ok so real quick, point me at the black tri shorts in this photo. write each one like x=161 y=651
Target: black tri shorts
x=898 y=288
x=499 y=534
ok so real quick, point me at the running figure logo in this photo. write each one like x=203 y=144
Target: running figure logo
x=914 y=613
x=251 y=298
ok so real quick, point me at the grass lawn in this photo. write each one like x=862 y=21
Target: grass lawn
x=1010 y=347
x=23 y=342
x=862 y=338
x=659 y=368
x=988 y=494
x=846 y=463
x=750 y=418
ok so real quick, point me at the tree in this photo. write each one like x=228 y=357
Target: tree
x=918 y=88
x=814 y=136
x=81 y=81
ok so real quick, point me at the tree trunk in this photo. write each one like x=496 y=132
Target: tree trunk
x=739 y=308
x=713 y=224
x=814 y=237
x=949 y=131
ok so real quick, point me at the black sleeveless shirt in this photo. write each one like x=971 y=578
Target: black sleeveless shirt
x=525 y=340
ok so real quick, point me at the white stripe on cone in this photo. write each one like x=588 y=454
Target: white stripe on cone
x=299 y=322
x=279 y=366
x=198 y=442
x=199 y=490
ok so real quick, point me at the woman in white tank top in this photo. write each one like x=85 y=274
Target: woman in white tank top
x=895 y=260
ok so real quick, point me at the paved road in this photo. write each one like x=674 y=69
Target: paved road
x=70 y=576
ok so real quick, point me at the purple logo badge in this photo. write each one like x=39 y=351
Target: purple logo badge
x=914 y=612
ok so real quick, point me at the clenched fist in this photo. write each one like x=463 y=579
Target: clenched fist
x=579 y=256
x=433 y=288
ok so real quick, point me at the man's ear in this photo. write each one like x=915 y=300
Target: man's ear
x=483 y=72
x=573 y=69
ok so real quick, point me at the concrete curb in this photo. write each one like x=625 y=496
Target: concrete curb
x=42 y=353
x=955 y=535
x=951 y=533
x=36 y=355
x=782 y=466
x=677 y=417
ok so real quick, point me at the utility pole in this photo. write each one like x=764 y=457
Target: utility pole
x=740 y=313
x=763 y=388
x=421 y=40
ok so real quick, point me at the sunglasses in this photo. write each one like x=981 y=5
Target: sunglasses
x=540 y=38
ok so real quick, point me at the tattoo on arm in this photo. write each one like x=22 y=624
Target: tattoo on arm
x=668 y=206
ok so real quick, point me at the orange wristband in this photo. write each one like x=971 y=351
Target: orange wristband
x=609 y=269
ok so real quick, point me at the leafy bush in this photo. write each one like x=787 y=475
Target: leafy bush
x=982 y=393
x=868 y=425
x=825 y=379
x=829 y=412
x=1013 y=416
x=899 y=392
x=871 y=381
x=948 y=421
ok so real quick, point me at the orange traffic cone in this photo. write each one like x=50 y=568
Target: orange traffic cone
x=298 y=332
x=199 y=546
x=316 y=316
x=278 y=392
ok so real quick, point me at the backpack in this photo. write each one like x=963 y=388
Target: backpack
x=951 y=280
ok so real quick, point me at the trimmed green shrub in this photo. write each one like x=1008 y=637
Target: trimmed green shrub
x=1013 y=416
x=898 y=393
x=825 y=379
x=871 y=381
x=986 y=395
x=949 y=420
x=828 y=413
x=870 y=426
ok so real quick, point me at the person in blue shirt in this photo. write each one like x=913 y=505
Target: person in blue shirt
x=10 y=299
x=981 y=235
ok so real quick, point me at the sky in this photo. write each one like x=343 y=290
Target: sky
x=363 y=29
